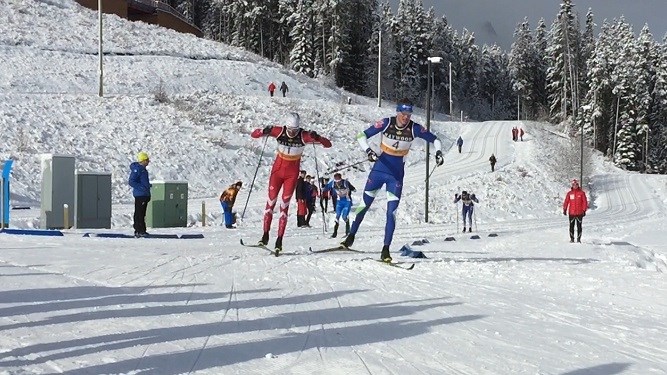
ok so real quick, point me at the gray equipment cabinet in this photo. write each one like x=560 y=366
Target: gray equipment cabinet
x=93 y=200
x=57 y=190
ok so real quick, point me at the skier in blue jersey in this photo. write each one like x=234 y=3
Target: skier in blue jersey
x=398 y=133
x=343 y=189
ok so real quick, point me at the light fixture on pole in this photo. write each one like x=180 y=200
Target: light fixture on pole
x=431 y=61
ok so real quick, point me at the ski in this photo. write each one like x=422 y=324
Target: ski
x=259 y=247
x=334 y=248
x=402 y=265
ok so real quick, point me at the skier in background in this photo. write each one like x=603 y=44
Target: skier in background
x=468 y=207
x=272 y=88
x=283 y=88
x=459 y=142
x=492 y=160
x=343 y=189
x=324 y=196
x=577 y=203
x=397 y=134
x=311 y=198
x=292 y=140
x=227 y=200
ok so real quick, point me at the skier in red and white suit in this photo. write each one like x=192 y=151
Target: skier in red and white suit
x=292 y=140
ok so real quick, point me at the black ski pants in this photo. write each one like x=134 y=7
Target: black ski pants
x=140 y=206
x=576 y=219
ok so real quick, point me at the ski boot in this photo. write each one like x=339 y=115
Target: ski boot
x=279 y=246
x=464 y=229
x=265 y=239
x=335 y=231
x=349 y=240
x=385 y=256
x=470 y=230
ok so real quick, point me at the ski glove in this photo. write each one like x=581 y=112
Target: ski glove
x=439 y=160
x=315 y=136
x=564 y=212
x=584 y=214
x=372 y=156
x=267 y=130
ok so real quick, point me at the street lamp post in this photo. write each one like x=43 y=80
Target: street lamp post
x=431 y=61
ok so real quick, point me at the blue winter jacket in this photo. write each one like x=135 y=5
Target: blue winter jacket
x=139 y=180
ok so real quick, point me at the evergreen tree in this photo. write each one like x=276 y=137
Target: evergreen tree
x=522 y=65
x=540 y=103
x=562 y=52
x=658 y=129
x=301 y=55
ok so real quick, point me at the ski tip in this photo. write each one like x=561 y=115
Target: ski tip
x=241 y=240
x=411 y=267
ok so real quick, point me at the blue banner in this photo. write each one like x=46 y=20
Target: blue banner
x=4 y=200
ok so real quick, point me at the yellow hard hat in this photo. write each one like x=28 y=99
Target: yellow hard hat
x=142 y=156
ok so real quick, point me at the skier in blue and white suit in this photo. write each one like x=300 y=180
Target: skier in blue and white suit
x=398 y=133
x=343 y=190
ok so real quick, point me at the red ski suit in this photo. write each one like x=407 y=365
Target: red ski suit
x=285 y=170
x=577 y=202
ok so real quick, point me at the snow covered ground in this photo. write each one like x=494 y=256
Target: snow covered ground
x=525 y=302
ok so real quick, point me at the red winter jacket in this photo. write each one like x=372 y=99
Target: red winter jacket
x=576 y=200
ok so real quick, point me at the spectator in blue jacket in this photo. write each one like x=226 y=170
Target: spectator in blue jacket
x=141 y=190
x=459 y=142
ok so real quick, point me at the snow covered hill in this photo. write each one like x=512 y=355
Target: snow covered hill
x=525 y=302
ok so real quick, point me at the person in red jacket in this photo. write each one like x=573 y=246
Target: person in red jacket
x=576 y=201
x=272 y=88
x=292 y=140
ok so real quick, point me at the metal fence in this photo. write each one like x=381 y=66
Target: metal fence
x=153 y=5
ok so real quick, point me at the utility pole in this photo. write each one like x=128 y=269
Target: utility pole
x=100 y=52
x=431 y=61
x=451 y=102
x=379 y=66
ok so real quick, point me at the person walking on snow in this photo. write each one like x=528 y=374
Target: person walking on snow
x=492 y=160
x=577 y=203
x=468 y=207
x=227 y=200
x=283 y=88
x=272 y=88
x=292 y=140
x=397 y=134
x=343 y=190
x=459 y=142
x=141 y=190
x=521 y=133
x=324 y=196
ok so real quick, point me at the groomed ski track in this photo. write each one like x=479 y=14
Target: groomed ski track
x=490 y=306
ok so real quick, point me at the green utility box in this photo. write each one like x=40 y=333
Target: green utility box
x=169 y=204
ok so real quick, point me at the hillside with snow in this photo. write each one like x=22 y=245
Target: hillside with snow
x=524 y=302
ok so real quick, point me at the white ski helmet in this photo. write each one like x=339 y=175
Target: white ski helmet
x=293 y=120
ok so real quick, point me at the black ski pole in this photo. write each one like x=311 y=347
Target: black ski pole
x=345 y=167
x=259 y=163
x=432 y=170
x=317 y=171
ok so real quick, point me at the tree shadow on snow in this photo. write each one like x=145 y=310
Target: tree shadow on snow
x=607 y=369
x=285 y=341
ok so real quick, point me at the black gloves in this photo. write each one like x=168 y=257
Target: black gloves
x=372 y=156
x=565 y=212
x=584 y=214
x=267 y=130
x=456 y=195
x=439 y=160
x=315 y=135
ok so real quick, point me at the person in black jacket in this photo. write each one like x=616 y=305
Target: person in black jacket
x=492 y=160
x=283 y=88
x=301 y=205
